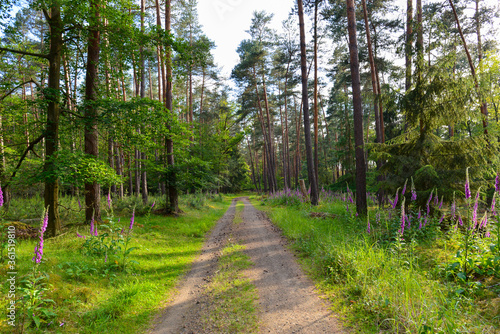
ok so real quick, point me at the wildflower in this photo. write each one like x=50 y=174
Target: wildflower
x=474 y=210
x=441 y=203
x=404 y=188
x=356 y=214
x=453 y=209
x=403 y=216
x=132 y=220
x=493 y=205
x=39 y=248
x=152 y=206
x=497 y=183
x=441 y=220
x=368 y=228
x=79 y=204
x=436 y=199
x=484 y=220
x=419 y=214
x=395 y=202
x=92 y=225
x=121 y=231
x=413 y=191
x=1 y=197
x=488 y=234
x=460 y=220
x=109 y=200
x=467 y=184
x=106 y=258
x=430 y=198
x=80 y=236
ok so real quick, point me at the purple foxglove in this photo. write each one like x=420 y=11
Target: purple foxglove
x=413 y=191
x=1 y=197
x=132 y=220
x=467 y=184
x=395 y=202
x=109 y=200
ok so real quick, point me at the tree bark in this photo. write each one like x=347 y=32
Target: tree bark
x=361 y=204
x=409 y=43
x=305 y=102
x=51 y=195
x=92 y=190
x=173 y=198
x=316 y=161
x=484 y=108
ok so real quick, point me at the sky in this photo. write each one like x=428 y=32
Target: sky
x=225 y=23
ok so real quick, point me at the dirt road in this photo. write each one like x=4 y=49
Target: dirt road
x=287 y=299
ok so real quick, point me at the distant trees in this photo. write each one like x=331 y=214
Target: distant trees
x=131 y=60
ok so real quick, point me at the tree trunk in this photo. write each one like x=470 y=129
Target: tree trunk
x=92 y=190
x=409 y=42
x=484 y=108
x=172 y=200
x=361 y=204
x=305 y=102
x=51 y=194
x=316 y=161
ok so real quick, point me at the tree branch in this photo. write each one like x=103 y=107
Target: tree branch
x=18 y=86
x=25 y=53
x=29 y=148
x=46 y=14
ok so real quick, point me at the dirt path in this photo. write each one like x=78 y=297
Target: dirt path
x=287 y=298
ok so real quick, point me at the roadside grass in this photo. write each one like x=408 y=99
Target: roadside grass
x=238 y=215
x=92 y=295
x=390 y=288
x=233 y=307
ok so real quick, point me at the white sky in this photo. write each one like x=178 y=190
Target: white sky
x=225 y=22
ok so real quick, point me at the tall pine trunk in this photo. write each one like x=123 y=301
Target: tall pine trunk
x=305 y=102
x=172 y=200
x=51 y=194
x=361 y=204
x=92 y=190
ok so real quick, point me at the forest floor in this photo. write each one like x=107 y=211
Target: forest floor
x=284 y=298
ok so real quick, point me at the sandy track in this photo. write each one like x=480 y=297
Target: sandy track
x=287 y=298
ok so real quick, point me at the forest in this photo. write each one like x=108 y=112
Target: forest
x=380 y=115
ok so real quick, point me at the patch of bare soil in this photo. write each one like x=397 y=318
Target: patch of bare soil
x=287 y=298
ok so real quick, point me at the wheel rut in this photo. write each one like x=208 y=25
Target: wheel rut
x=288 y=301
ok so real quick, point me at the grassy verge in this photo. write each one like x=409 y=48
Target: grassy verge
x=92 y=294
x=375 y=287
x=238 y=215
x=233 y=297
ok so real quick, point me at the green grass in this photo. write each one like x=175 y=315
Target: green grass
x=379 y=288
x=232 y=297
x=92 y=296
x=238 y=215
